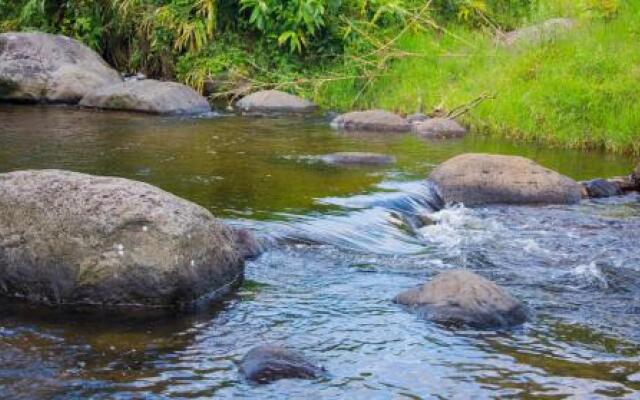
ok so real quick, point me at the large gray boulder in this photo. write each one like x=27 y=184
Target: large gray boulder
x=80 y=240
x=479 y=179
x=268 y=363
x=463 y=298
x=148 y=95
x=38 y=67
x=439 y=128
x=540 y=33
x=274 y=101
x=372 y=120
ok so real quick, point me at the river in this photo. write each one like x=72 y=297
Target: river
x=328 y=292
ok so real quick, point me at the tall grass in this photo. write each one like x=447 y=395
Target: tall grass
x=581 y=90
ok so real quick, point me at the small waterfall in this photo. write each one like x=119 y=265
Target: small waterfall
x=382 y=223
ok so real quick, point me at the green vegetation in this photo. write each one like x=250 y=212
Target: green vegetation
x=576 y=90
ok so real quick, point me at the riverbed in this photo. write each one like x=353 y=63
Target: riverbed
x=327 y=293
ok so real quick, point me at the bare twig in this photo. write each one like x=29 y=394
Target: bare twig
x=465 y=108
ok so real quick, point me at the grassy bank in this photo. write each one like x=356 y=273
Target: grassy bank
x=579 y=90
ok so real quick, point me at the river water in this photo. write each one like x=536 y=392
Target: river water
x=327 y=292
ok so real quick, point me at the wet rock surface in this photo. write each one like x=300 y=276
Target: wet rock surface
x=274 y=101
x=37 y=67
x=357 y=158
x=463 y=298
x=268 y=363
x=439 y=128
x=599 y=188
x=80 y=240
x=479 y=179
x=147 y=95
x=372 y=120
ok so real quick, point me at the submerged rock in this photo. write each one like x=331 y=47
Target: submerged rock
x=536 y=34
x=479 y=179
x=357 y=158
x=463 y=298
x=372 y=120
x=598 y=188
x=38 y=67
x=268 y=363
x=439 y=128
x=74 y=239
x=149 y=96
x=274 y=101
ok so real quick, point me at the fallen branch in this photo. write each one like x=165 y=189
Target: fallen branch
x=465 y=108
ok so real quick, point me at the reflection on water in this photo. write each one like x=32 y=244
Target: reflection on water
x=348 y=241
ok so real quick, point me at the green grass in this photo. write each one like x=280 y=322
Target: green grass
x=579 y=91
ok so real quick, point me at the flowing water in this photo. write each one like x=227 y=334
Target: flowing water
x=343 y=245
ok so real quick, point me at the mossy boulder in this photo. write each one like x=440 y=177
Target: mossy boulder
x=73 y=239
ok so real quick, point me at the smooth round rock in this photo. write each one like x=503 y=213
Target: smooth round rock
x=80 y=240
x=274 y=101
x=372 y=120
x=600 y=188
x=268 y=363
x=37 y=67
x=147 y=95
x=357 y=158
x=439 y=128
x=463 y=298
x=481 y=179
x=540 y=33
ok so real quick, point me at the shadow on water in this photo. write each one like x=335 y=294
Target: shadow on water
x=344 y=241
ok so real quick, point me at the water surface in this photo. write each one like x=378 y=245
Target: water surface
x=328 y=294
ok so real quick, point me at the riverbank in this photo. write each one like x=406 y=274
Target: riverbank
x=576 y=91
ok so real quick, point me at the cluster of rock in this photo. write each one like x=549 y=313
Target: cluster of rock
x=385 y=121
x=39 y=67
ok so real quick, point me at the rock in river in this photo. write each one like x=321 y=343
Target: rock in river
x=73 y=239
x=463 y=298
x=52 y=68
x=439 y=128
x=268 y=363
x=598 y=188
x=357 y=158
x=149 y=96
x=372 y=120
x=274 y=101
x=479 y=179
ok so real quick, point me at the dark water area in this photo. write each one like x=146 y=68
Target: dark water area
x=328 y=294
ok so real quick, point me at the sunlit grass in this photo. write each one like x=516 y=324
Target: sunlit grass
x=579 y=91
